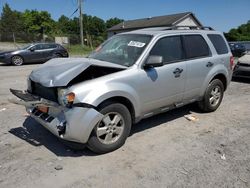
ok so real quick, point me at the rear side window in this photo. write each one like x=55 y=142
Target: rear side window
x=52 y=46
x=49 y=46
x=170 y=48
x=219 y=43
x=195 y=46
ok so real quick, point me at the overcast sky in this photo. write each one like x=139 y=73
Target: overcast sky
x=220 y=14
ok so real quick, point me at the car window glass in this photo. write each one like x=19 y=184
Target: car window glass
x=247 y=46
x=219 y=43
x=170 y=48
x=50 y=46
x=195 y=46
x=45 y=46
x=38 y=47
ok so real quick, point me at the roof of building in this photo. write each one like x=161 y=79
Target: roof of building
x=158 y=21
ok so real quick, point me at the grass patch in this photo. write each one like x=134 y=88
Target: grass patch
x=79 y=50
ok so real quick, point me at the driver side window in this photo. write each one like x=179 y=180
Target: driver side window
x=170 y=48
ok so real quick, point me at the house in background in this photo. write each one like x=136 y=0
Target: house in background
x=181 y=19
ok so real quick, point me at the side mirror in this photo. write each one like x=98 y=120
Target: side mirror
x=153 y=61
x=32 y=49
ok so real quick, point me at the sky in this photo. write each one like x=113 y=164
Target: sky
x=222 y=15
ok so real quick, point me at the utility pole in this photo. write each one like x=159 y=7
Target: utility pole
x=80 y=20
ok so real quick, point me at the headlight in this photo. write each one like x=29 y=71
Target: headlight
x=65 y=98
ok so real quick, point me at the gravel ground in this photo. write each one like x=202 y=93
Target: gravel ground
x=163 y=151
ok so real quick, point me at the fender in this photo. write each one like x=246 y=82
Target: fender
x=218 y=69
x=117 y=89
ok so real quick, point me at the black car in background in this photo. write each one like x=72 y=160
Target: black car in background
x=33 y=53
x=237 y=49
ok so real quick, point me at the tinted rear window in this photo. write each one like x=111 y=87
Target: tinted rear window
x=219 y=43
x=50 y=46
x=195 y=46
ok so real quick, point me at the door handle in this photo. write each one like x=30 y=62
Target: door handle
x=177 y=72
x=209 y=64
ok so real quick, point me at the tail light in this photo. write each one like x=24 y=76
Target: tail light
x=231 y=62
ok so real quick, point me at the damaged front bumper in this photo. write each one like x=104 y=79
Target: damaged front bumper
x=72 y=124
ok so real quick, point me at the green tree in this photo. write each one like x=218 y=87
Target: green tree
x=33 y=25
x=11 y=23
x=67 y=26
x=38 y=22
x=112 y=22
x=242 y=33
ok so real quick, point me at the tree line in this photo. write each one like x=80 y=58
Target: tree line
x=242 y=33
x=34 y=26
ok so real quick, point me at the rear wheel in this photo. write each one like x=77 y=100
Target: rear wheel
x=17 y=60
x=112 y=131
x=213 y=96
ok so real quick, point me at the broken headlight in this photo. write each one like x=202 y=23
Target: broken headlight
x=65 y=98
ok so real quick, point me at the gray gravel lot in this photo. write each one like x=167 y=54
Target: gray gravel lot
x=163 y=151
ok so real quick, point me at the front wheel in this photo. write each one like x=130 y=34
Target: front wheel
x=17 y=60
x=112 y=131
x=213 y=96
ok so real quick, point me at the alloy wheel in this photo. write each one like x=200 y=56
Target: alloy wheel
x=110 y=128
x=16 y=60
x=215 y=96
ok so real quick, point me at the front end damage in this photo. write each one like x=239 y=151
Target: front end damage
x=69 y=123
x=46 y=99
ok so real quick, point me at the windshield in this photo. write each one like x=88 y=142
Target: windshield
x=122 y=49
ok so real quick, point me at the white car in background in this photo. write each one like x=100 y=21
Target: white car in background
x=242 y=68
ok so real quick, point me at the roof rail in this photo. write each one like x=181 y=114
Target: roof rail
x=190 y=28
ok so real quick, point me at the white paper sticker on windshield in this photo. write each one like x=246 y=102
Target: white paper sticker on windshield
x=136 y=44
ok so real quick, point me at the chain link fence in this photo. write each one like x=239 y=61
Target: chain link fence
x=15 y=40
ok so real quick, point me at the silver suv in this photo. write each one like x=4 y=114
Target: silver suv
x=131 y=76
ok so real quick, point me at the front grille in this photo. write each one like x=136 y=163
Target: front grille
x=242 y=73
x=48 y=93
x=44 y=116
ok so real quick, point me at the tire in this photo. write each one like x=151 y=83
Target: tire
x=112 y=131
x=17 y=60
x=212 y=97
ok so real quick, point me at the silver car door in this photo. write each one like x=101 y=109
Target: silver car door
x=163 y=86
x=199 y=63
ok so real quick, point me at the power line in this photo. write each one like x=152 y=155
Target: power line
x=74 y=12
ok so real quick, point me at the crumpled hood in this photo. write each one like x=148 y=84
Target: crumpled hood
x=60 y=71
x=245 y=59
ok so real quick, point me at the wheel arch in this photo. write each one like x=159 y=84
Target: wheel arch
x=120 y=99
x=58 y=53
x=222 y=75
x=222 y=78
